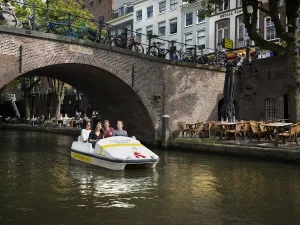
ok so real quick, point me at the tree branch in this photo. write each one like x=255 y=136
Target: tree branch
x=252 y=28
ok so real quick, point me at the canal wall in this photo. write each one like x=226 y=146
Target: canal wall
x=55 y=130
x=270 y=153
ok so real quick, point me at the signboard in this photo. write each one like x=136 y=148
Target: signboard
x=227 y=43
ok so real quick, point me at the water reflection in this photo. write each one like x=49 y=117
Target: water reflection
x=42 y=184
x=110 y=189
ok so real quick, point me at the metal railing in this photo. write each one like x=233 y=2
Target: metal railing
x=47 y=18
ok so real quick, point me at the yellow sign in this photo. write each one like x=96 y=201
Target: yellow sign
x=80 y=157
x=117 y=145
x=227 y=43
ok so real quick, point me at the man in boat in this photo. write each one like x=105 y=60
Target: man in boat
x=120 y=131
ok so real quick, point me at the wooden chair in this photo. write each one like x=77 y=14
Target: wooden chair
x=182 y=127
x=208 y=128
x=198 y=130
x=237 y=132
x=255 y=131
x=291 y=134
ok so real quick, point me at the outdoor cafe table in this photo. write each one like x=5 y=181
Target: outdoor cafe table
x=274 y=129
x=226 y=126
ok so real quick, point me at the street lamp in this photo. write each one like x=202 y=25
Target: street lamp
x=249 y=9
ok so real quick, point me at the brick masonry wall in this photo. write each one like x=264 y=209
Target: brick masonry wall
x=104 y=74
x=265 y=78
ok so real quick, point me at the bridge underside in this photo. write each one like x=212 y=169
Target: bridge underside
x=114 y=99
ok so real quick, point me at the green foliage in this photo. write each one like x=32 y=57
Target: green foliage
x=58 y=11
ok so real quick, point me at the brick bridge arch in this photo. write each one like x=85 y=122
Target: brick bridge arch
x=188 y=92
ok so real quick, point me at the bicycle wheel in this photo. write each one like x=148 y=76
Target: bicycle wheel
x=202 y=59
x=137 y=47
x=92 y=35
x=153 y=50
x=8 y=19
x=116 y=42
x=187 y=57
x=56 y=29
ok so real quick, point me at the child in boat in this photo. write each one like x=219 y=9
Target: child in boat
x=96 y=134
x=108 y=131
x=120 y=131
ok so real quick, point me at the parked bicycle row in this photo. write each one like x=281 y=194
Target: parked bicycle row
x=41 y=22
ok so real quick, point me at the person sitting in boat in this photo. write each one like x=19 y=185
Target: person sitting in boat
x=108 y=131
x=120 y=131
x=96 y=135
x=86 y=132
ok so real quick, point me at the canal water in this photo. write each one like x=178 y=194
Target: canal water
x=41 y=185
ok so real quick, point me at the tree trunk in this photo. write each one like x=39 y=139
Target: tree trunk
x=293 y=69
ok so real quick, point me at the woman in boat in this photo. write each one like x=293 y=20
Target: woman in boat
x=108 y=131
x=96 y=134
x=86 y=132
x=120 y=131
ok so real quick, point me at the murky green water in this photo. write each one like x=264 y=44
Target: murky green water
x=41 y=184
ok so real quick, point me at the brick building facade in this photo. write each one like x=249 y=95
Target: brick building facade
x=262 y=90
x=99 y=8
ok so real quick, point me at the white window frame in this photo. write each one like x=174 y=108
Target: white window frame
x=185 y=40
x=173 y=19
x=147 y=30
x=174 y=4
x=223 y=6
x=217 y=29
x=159 y=26
x=148 y=17
x=185 y=16
x=138 y=35
x=239 y=3
x=238 y=24
x=204 y=36
x=198 y=18
x=165 y=9
x=269 y=26
x=137 y=16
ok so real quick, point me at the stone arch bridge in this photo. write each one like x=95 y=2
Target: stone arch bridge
x=122 y=84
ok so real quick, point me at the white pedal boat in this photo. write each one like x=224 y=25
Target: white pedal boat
x=114 y=153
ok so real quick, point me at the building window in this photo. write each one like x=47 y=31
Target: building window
x=162 y=7
x=223 y=6
x=173 y=26
x=139 y=15
x=240 y=32
x=189 y=19
x=149 y=31
x=138 y=35
x=201 y=38
x=121 y=11
x=171 y=44
x=222 y=31
x=270 y=33
x=173 y=4
x=270 y=109
x=239 y=3
x=188 y=40
x=200 y=18
x=162 y=28
x=150 y=11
